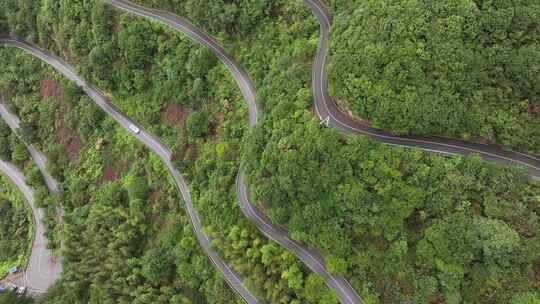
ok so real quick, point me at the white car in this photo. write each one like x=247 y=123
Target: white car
x=134 y=129
x=21 y=290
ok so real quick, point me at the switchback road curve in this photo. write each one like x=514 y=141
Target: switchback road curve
x=164 y=153
x=42 y=270
x=312 y=259
x=38 y=157
x=329 y=113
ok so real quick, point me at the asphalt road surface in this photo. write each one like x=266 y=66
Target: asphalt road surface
x=231 y=276
x=309 y=257
x=42 y=269
x=329 y=113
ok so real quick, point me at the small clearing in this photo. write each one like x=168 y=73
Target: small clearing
x=66 y=135
x=175 y=115
x=48 y=88
x=110 y=173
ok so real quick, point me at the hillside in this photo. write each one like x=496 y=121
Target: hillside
x=466 y=69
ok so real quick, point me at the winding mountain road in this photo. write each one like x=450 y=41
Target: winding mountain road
x=231 y=276
x=42 y=269
x=329 y=113
x=309 y=257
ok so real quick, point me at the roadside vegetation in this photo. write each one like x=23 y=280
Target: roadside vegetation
x=400 y=225
x=15 y=227
x=462 y=69
x=11 y=298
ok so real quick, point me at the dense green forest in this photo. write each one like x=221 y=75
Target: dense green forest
x=12 y=149
x=15 y=227
x=466 y=69
x=401 y=225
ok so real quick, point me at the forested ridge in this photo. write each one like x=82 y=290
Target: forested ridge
x=400 y=224
x=464 y=69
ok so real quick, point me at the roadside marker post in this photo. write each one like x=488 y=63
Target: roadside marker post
x=326 y=121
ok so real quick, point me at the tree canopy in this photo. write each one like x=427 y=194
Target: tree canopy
x=466 y=69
